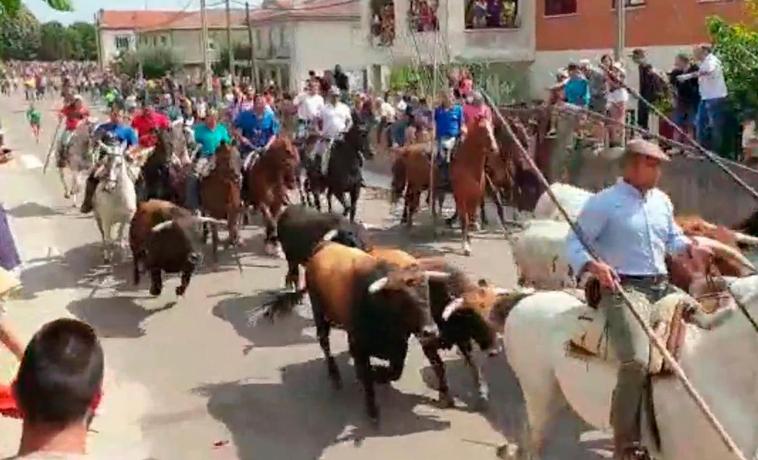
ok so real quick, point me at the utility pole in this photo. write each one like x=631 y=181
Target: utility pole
x=229 y=44
x=620 y=30
x=253 y=65
x=204 y=45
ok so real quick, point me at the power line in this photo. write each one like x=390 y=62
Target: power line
x=302 y=8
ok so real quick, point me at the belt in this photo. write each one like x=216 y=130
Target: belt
x=651 y=279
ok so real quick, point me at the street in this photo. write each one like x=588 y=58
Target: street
x=200 y=379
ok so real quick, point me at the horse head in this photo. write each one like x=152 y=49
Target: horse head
x=227 y=160
x=115 y=168
x=482 y=135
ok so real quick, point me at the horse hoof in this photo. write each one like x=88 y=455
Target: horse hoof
x=155 y=292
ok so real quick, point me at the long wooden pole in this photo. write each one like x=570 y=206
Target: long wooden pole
x=253 y=65
x=656 y=342
x=620 y=30
x=229 y=45
x=204 y=44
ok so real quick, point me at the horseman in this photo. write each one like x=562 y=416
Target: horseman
x=147 y=121
x=119 y=132
x=209 y=135
x=336 y=120
x=73 y=113
x=256 y=129
x=449 y=129
x=309 y=105
x=631 y=227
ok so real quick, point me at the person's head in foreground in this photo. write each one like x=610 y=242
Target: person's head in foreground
x=641 y=164
x=58 y=387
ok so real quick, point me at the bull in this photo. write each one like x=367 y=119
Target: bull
x=379 y=306
x=300 y=229
x=165 y=238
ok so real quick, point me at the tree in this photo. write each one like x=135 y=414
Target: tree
x=13 y=7
x=54 y=42
x=737 y=47
x=19 y=35
x=86 y=39
x=156 y=62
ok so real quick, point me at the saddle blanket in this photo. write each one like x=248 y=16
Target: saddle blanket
x=590 y=335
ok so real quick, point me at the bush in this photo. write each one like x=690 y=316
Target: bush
x=156 y=62
x=737 y=47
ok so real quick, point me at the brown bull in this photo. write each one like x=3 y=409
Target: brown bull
x=268 y=181
x=220 y=193
x=378 y=305
x=467 y=174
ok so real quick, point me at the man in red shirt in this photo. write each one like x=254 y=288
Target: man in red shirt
x=146 y=122
x=74 y=113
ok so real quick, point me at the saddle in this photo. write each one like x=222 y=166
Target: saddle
x=589 y=338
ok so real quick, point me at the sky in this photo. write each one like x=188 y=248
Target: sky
x=84 y=10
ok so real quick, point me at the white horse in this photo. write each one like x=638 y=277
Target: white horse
x=76 y=161
x=721 y=363
x=115 y=199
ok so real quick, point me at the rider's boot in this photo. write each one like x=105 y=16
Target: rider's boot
x=89 y=193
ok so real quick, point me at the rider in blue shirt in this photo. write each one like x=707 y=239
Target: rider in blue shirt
x=448 y=121
x=257 y=128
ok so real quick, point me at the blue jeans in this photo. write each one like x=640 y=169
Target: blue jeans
x=710 y=123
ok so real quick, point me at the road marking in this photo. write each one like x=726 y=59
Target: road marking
x=30 y=161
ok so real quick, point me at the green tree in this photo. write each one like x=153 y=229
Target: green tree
x=13 y=7
x=19 y=35
x=54 y=42
x=156 y=62
x=86 y=38
x=737 y=47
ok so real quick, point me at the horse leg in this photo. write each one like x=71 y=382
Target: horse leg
x=185 y=280
x=355 y=195
x=329 y=200
x=156 y=282
x=464 y=216
x=341 y=198
x=214 y=241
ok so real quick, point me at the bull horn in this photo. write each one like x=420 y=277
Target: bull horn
x=378 y=285
x=451 y=308
x=210 y=220
x=162 y=226
x=722 y=250
x=745 y=239
x=437 y=275
x=330 y=235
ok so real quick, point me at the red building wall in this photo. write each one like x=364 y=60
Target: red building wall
x=658 y=23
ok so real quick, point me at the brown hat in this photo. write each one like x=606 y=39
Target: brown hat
x=646 y=148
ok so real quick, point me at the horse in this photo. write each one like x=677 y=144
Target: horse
x=467 y=174
x=720 y=363
x=344 y=172
x=220 y=194
x=115 y=199
x=75 y=161
x=268 y=180
x=165 y=170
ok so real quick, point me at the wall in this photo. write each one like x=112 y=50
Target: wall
x=320 y=45
x=108 y=43
x=658 y=23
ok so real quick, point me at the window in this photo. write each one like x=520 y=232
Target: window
x=422 y=15
x=258 y=39
x=122 y=42
x=383 y=21
x=629 y=3
x=164 y=40
x=559 y=7
x=491 y=14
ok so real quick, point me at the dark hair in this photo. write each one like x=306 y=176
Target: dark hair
x=573 y=66
x=61 y=373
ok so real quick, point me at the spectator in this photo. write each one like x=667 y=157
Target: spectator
x=711 y=113
x=652 y=87
x=576 y=90
x=617 y=100
x=598 y=86
x=58 y=388
x=479 y=14
x=687 y=94
x=466 y=84
x=341 y=79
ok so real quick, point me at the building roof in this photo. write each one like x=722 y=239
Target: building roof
x=215 y=18
x=136 y=19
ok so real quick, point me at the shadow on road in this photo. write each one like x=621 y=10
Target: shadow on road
x=30 y=209
x=119 y=317
x=243 y=312
x=303 y=415
x=506 y=411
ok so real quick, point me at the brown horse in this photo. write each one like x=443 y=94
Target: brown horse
x=410 y=177
x=467 y=174
x=220 y=194
x=268 y=181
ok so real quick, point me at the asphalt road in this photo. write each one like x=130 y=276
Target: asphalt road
x=195 y=378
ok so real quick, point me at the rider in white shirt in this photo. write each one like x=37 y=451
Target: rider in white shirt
x=337 y=119
x=309 y=106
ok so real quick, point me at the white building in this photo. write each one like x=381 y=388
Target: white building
x=117 y=30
